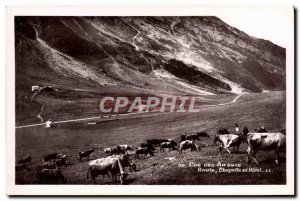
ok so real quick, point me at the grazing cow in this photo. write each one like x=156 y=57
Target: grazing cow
x=189 y=137
x=51 y=156
x=154 y=142
x=115 y=151
x=107 y=151
x=145 y=151
x=188 y=144
x=25 y=160
x=169 y=145
x=103 y=166
x=149 y=146
x=202 y=134
x=223 y=131
x=124 y=148
x=50 y=165
x=266 y=142
x=52 y=175
x=86 y=154
x=126 y=162
x=228 y=140
x=193 y=137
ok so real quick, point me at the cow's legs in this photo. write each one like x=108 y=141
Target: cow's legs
x=276 y=156
x=254 y=157
x=221 y=150
x=249 y=152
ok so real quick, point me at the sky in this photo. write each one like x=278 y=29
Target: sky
x=271 y=23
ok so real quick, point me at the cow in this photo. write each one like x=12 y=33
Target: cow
x=50 y=165
x=193 y=137
x=124 y=148
x=228 y=140
x=86 y=154
x=202 y=134
x=51 y=156
x=103 y=166
x=114 y=151
x=126 y=162
x=188 y=144
x=149 y=146
x=107 y=151
x=265 y=142
x=25 y=160
x=154 y=142
x=189 y=137
x=223 y=131
x=283 y=131
x=170 y=144
x=144 y=150
x=51 y=175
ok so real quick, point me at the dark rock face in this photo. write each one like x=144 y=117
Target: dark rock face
x=153 y=53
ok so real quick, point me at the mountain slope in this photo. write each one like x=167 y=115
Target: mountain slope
x=174 y=55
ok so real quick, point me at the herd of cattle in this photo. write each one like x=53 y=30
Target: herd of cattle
x=118 y=158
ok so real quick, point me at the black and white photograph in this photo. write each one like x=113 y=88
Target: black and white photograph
x=135 y=101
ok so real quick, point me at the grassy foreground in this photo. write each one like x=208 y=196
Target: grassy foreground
x=250 y=110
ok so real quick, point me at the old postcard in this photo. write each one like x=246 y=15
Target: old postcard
x=150 y=101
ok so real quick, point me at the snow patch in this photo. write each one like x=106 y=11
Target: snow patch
x=189 y=86
x=161 y=73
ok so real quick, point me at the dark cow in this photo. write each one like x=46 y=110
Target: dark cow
x=202 y=134
x=145 y=151
x=183 y=138
x=193 y=137
x=49 y=165
x=190 y=137
x=51 y=156
x=86 y=154
x=223 y=131
x=51 y=175
x=149 y=146
x=114 y=151
x=154 y=142
x=25 y=160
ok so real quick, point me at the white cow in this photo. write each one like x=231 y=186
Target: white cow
x=228 y=140
x=188 y=144
x=266 y=142
x=104 y=166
